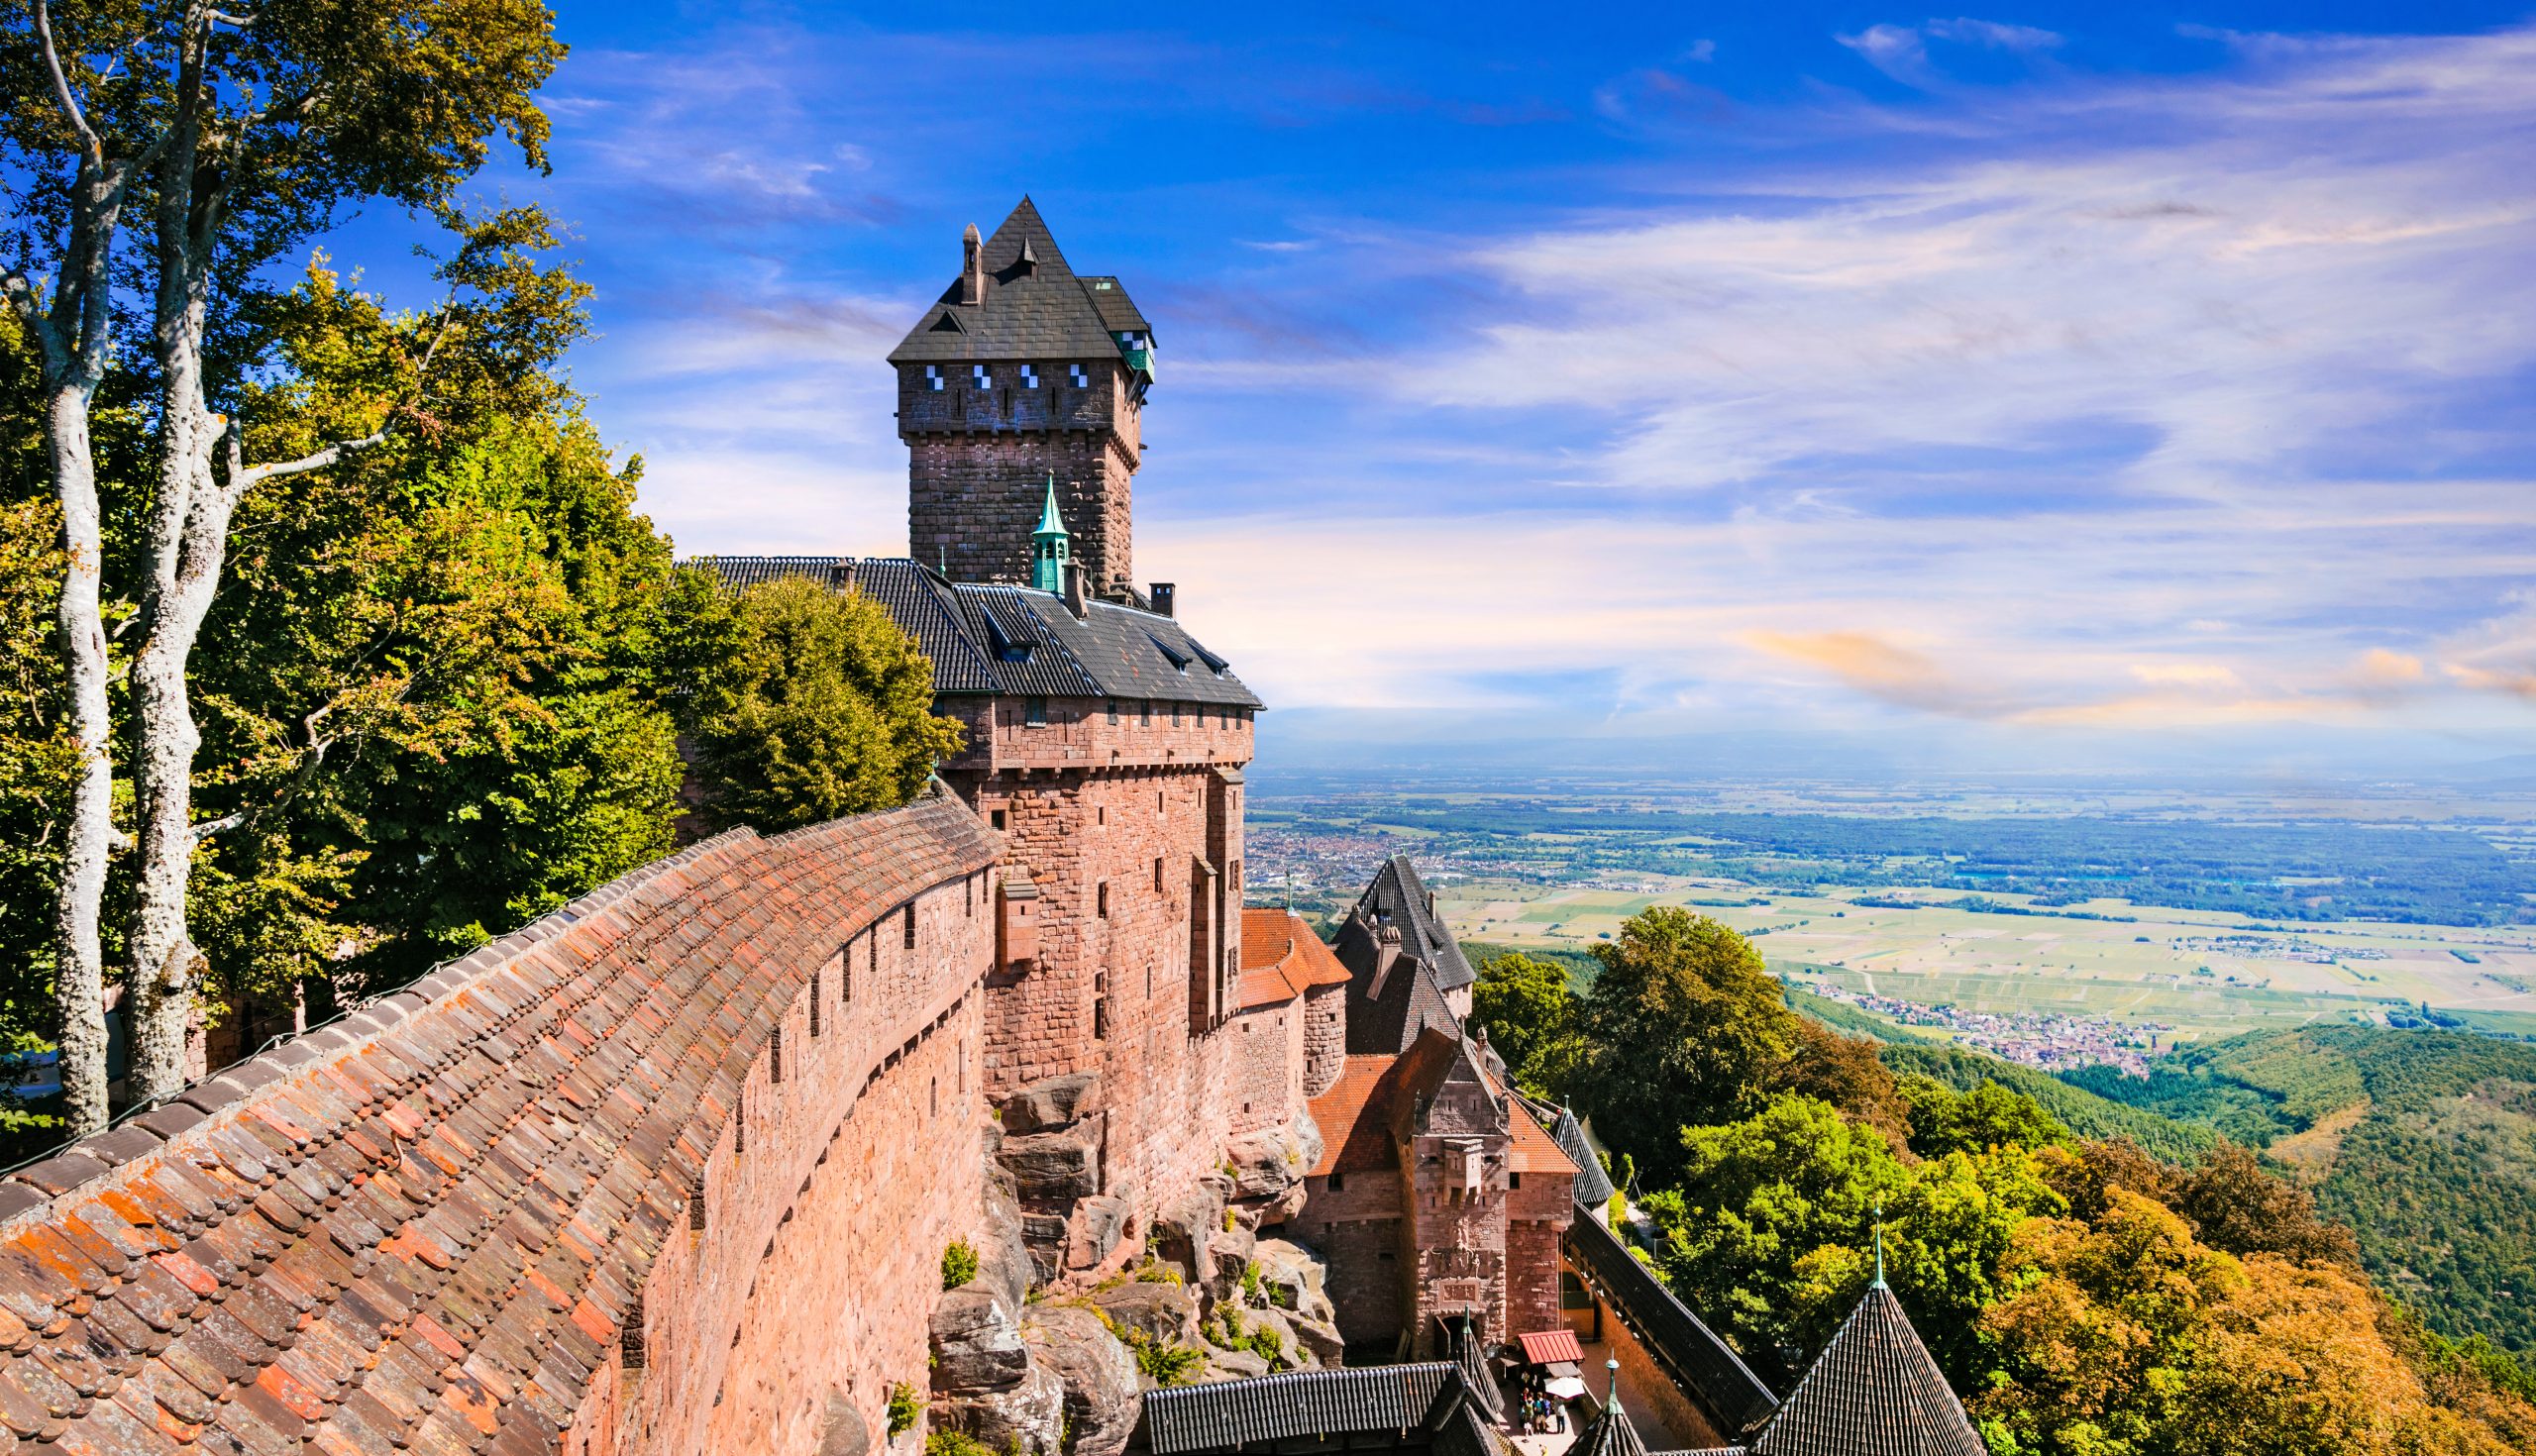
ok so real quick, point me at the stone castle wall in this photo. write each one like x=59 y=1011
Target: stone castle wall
x=599 y=1187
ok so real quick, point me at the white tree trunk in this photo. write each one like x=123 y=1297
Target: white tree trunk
x=79 y=972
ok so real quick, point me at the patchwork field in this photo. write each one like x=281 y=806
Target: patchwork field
x=2188 y=974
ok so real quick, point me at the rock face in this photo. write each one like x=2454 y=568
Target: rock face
x=1053 y=1103
x=1268 y=1167
x=1028 y=1416
x=1098 y=1224
x=1293 y=1278
x=977 y=1344
x=1184 y=1228
x=1167 y=1312
x=1101 y=1387
x=1053 y=1166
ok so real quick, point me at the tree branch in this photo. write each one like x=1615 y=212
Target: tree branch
x=243 y=478
x=95 y=149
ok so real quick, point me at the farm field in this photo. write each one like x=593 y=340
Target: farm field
x=2189 y=975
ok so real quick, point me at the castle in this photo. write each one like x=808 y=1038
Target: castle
x=675 y=1168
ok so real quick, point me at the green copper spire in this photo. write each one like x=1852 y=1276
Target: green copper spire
x=1050 y=545
x=1879 y=1248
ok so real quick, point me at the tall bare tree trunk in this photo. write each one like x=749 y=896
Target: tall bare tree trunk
x=184 y=552
x=71 y=326
x=79 y=969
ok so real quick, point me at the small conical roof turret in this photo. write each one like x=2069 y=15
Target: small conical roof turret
x=1051 y=546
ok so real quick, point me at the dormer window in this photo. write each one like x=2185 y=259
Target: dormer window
x=1029 y=378
x=1074 y=375
x=933 y=377
x=978 y=373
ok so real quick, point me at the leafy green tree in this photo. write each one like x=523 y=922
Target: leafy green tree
x=1987 y=1117
x=1530 y=1011
x=1849 y=1071
x=1686 y=1027
x=1768 y=1232
x=800 y=703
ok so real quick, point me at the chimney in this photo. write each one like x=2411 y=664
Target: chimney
x=1162 y=598
x=973 y=268
x=1074 y=592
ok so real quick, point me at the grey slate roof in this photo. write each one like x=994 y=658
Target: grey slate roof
x=1360 y=1400
x=1397 y=897
x=1709 y=1372
x=1873 y=1391
x=1611 y=1434
x=989 y=639
x=1038 y=310
x=1387 y=1011
x=1593 y=1186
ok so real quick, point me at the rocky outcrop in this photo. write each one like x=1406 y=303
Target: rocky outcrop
x=1097 y=1225
x=985 y=1383
x=1101 y=1387
x=1268 y=1167
x=1056 y=1167
x=1052 y=1103
x=1164 y=1312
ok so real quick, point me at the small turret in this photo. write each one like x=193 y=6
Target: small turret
x=1051 y=547
x=973 y=268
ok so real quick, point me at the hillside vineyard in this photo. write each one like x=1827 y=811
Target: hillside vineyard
x=688 y=1165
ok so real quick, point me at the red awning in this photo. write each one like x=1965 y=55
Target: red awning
x=1550 y=1346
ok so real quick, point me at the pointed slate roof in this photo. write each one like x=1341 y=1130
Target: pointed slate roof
x=1387 y=1007
x=1611 y=1434
x=1035 y=307
x=1875 y=1390
x=1593 y=1186
x=1397 y=897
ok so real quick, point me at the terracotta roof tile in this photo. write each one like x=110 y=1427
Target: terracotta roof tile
x=421 y=1228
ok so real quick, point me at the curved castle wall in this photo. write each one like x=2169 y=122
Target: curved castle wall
x=669 y=1170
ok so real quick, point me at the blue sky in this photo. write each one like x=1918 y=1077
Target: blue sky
x=2052 y=385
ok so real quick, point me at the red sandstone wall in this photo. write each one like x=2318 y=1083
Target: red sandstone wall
x=852 y=1159
x=1264 y=1082
x=1077 y=823
x=1325 y=1032
x=979 y=463
x=1357 y=1229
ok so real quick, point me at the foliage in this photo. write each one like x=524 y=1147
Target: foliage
x=2422 y=1142
x=904 y=1406
x=1225 y=1331
x=958 y=1263
x=1685 y=1026
x=801 y=703
x=955 y=1443
x=1166 y=1363
x=2084 y=1112
x=1530 y=1011
x=1989 y=1116
x=1847 y=1072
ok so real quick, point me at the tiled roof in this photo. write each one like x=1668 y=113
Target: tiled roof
x=1534 y=1151
x=1350 y=1401
x=1690 y=1352
x=1281 y=958
x=1351 y=1141
x=1387 y=1010
x=1873 y=1391
x=1593 y=1186
x=1397 y=897
x=1545 y=1346
x=1035 y=311
x=422 y=1225
x=1613 y=1433
x=1013 y=640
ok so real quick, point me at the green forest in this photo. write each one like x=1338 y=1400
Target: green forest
x=2096 y=1278
x=2422 y=1141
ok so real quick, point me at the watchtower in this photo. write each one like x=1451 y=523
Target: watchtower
x=1023 y=373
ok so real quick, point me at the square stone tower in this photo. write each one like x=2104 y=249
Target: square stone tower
x=1020 y=375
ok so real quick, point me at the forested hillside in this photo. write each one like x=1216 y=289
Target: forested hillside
x=2425 y=1142
x=2081 y=1294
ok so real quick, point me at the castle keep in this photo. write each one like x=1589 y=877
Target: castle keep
x=681 y=1168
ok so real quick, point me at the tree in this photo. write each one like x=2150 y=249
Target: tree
x=1988 y=1117
x=2237 y=1206
x=441 y=709
x=800 y=703
x=1686 y=1027
x=1770 y=1230
x=1849 y=1071
x=274 y=125
x=81 y=153
x=1529 y=1011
